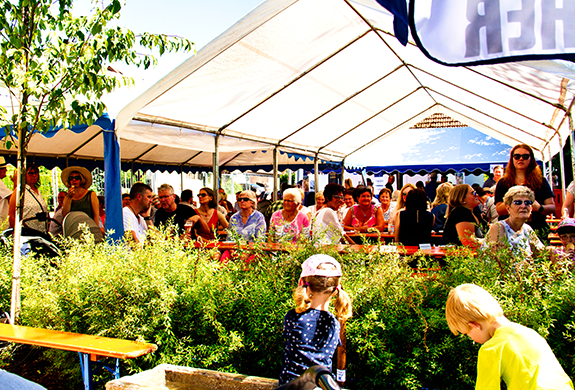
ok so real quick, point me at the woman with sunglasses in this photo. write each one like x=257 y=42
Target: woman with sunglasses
x=522 y=169
x=248 y=223
x=79 y=198
x=289 y=223
x=513 y=233
x=326 y=226
x=462 y=226
x=35 y=207
x=209 y=213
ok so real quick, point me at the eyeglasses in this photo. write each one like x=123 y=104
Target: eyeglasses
x=338 y=196
x=525 y=202
x=244 y=199
x=518 y=156
x=164 y=196
x=200 y=195
x=70 y=178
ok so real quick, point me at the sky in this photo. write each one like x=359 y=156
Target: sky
x=200 y=21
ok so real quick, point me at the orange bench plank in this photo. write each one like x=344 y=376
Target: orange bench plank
x=95 y=345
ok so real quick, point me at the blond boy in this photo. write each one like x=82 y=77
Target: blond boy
x=512 y=352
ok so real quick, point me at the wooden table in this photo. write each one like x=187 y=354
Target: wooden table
x=437 y=252
x=90 y=348
x=388 y=237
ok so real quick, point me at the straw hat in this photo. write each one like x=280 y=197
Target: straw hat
x=82 y=171
x=3 y=162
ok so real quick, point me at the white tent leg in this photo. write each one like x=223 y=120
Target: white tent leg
x=275 y=175
x=216 y=167
x=562 y=166
x=316 y=173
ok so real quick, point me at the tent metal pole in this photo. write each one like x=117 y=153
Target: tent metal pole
x=216 y=167
x=316 y=173
x=562 y=164
x=275 y=175
x=342 y=178
x=572 y=148
x=181 y=178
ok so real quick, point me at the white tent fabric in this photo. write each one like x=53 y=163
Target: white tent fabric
x=328 y=78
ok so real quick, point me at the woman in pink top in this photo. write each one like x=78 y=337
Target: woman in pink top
x=364 y=215
x=289 y=222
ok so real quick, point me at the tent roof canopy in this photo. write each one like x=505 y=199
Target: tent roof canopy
x=328 y=77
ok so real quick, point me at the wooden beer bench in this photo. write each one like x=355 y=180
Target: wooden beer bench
x=90 y=348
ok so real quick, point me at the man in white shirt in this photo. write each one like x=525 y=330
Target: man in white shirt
x=136 y=213
x=5 y=193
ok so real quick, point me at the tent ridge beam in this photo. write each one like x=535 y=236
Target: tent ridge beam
x=294 y=80
x=191 y=158
x=350 y=97
x=145 y=152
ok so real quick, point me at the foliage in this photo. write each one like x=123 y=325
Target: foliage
x=203 y=313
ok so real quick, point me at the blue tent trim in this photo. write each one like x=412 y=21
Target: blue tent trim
x=378 y=171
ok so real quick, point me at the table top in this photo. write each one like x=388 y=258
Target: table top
x=96 y=345
x=341 y=248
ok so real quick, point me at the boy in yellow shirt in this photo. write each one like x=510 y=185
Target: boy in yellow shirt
x=512 y=352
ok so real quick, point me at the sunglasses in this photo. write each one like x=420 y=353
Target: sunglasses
x=525 y=202
x=518 y=156
x=567 y=236
x=244 y=199
x=473 y=193
x=202 y=195
x=70 y=178
x=338 y=196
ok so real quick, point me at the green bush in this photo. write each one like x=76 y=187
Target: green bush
x=229 y=317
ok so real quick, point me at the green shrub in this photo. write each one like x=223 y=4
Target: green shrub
x=203 y=313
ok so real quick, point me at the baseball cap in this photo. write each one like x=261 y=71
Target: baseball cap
x=567 y=225
x=309 y=267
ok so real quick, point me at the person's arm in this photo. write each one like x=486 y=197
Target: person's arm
x=466 y=233
x=548 y=207
x=501 y=208
x=95 y=208
x=568 y=204
x=500 y=191
x=379 y=221
x=261 y=226
x=12 y=209
x=200 y=226
x=496 y=236
x=222 y=219
x=67 y=203
x=347 y=220
x=396 y=223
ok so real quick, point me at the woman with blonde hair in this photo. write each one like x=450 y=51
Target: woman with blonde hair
x=461 y=226
x=400 y=206
x=439 y=205
x=289 y=222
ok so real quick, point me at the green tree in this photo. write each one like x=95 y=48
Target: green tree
x=54 y=66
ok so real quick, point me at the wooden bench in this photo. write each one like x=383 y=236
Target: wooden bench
x=90 y=348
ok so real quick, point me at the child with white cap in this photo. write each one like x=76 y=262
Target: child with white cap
x=310 y=330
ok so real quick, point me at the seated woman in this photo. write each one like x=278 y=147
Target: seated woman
x=35 y=207
x=461 y=226
x=79 y=197
x=248 y=223
x=400 y=206
x=288 y=223
x=413 y=225
x=319 y=203
x=209 y=214
x=439 y=205
x=363 y=215
x=513 y=233
x=386 y=206
x=326 y=226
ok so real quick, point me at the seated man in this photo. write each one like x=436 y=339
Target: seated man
x=136 y=213
x=175 y=214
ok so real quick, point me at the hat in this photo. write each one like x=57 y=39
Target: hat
x=567 y=225
x=82 y=171
x=309 y=267
x=3 y=162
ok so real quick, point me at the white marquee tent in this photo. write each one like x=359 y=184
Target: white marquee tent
x=328 y=78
